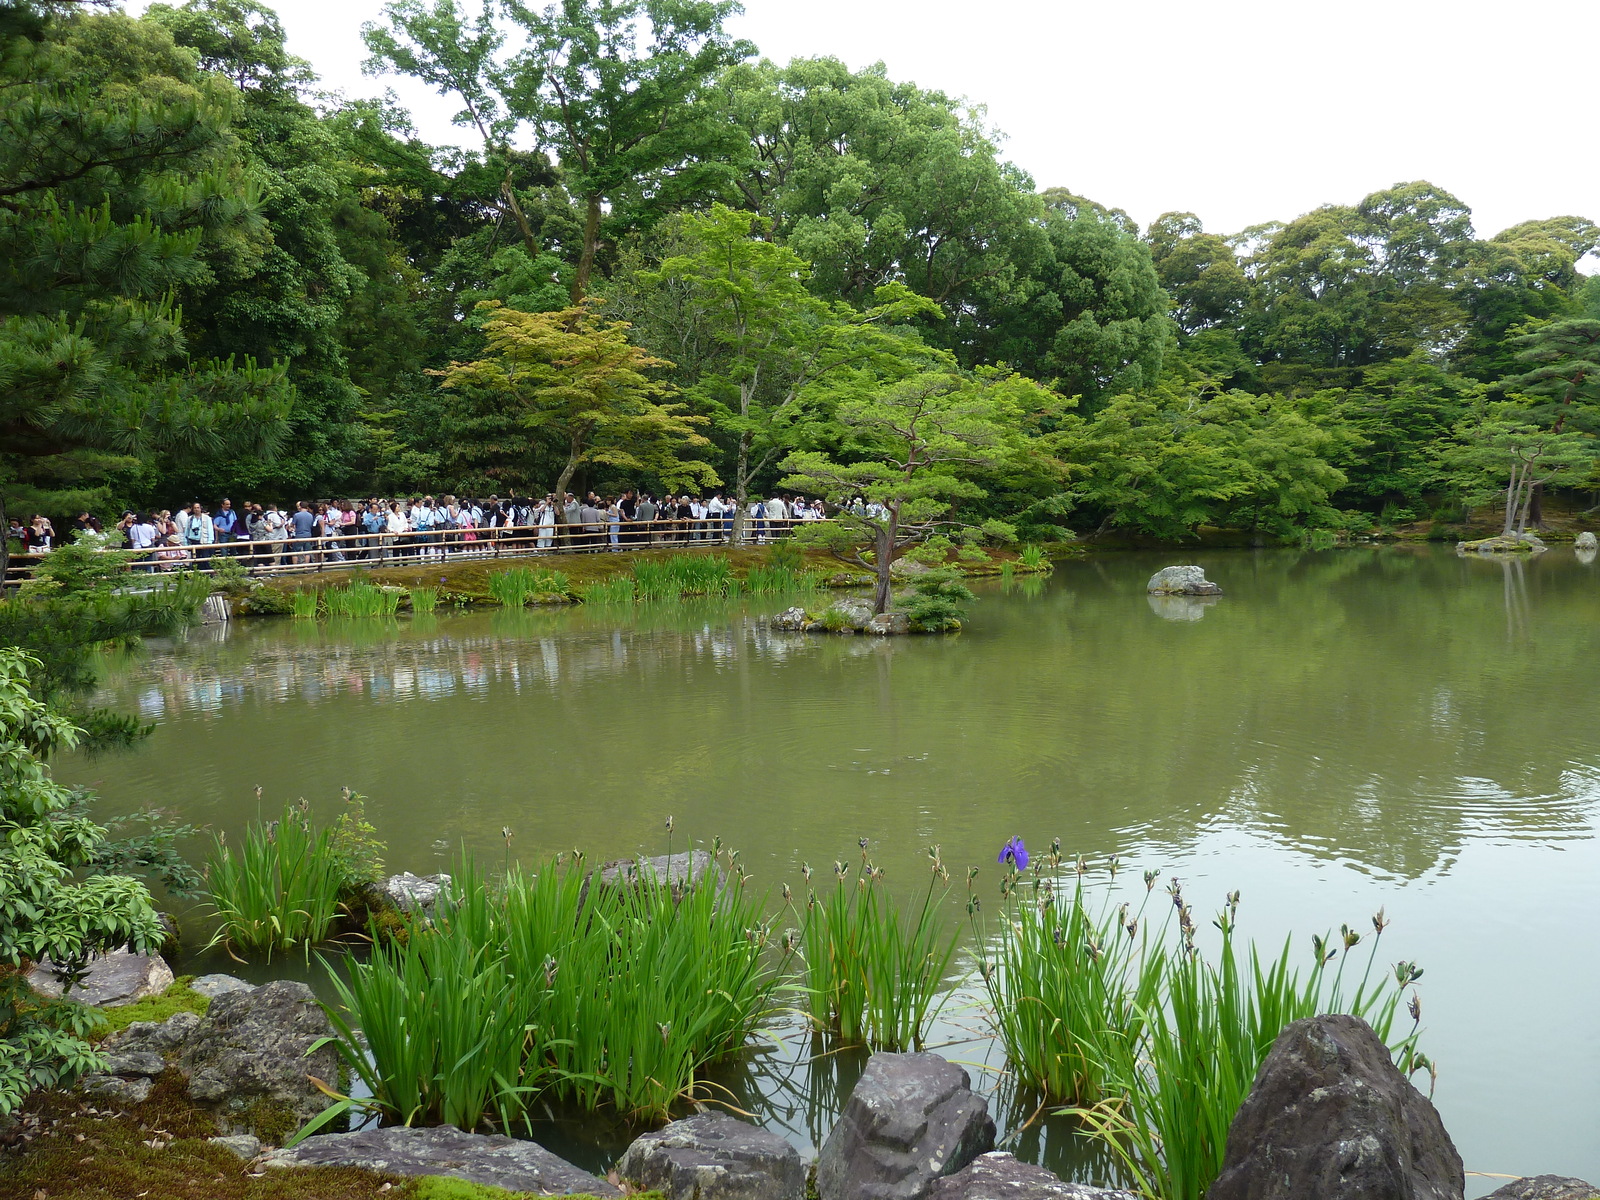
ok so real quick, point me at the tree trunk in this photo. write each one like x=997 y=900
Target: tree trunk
x=5 y=546
x=521 y=218
x=591 y=238
x=884 y=562
x=741 y=488
x=1513 y=490
x=1536 y=506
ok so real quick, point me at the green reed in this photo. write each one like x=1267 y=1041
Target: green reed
x=424 y=600
x=1147 y=1040
x=875 y=975
x=780 y=580
x=616 y=590
x=683 y=575
x=516 y=586
x=1032 y=557
x=361 y=599
x=280 y=888
x=304 y=604
x=531 y=992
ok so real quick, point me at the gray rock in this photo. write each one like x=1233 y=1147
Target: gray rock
x=854 y=613
x=911 y=1119
x=137 y=1062
x=1504 y=543
x=251 y=1048
x=1584 y=541
x=1547 y=1187
x=1182 y=581
x=117 y=1089
x=791 y=620
x=713 y=1156
x=444 y=1150
x=1330 y=1116
x=213 y=986
x=888 y=624
x=117 y=977
x=410 y=893
x=151 y=1037
x=242 y=1144
x=680 y=871
x=999 y=1176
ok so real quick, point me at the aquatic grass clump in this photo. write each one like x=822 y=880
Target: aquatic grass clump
x=1152 y=1044
x=530 y=991
x=875 y=975
x=303 y=604
x=516 y=586
x=616 y=590
x=280 y=888
x=361 y=599
x=1032 y=557
x=424 y=600
x=780 y=580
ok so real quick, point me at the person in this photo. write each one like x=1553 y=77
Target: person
x=777 y=517
x=142 y=537
x=41 y=537
x=758 y=530
x=198 y=533
x=571 y=512
x=644 y=515
x=303 y=524
x=396 y=529
x=589 y=520
x=172 y=553
x=226 y=526
x=87 y=522
x=613 y=515
x=546 y=514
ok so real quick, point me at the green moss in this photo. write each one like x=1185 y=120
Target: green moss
x=441 y=1187
x=272 y=1123
x=176 y=999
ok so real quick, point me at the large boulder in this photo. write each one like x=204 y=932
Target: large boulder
x=889 y=624
x=116 y=977
x=212 y=986
x=248 y=1061
x=681 y=871
x=911 y=1119
x=713 y=1156
x=791 y=620
x=999 y=1176
x=1585 y=541
x=1330 y=1116
x=408 y=893
x=1181 y=581
x=1504 y=543
x=488 y=1159
x=1546 y=1187
x=850 y=613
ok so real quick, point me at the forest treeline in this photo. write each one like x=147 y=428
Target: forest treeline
x=658 y=259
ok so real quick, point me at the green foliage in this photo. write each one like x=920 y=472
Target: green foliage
x=617 y=590
x=937 y=600
x=424 y=600
x=531 y=990
x=683 y=575
x=46 y=909
x=282 y=887
x=304 y=603
x=517 y=586
x=1153 y=1043
x=875 y=976
x=1032 y=558
x=359 y=598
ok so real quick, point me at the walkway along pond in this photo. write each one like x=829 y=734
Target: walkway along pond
x=1339 y=732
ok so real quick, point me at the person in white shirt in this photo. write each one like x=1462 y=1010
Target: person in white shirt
x=715 y=511
x=697 y=514
x=141 y=537
x=777 y=518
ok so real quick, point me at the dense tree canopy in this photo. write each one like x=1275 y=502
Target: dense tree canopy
x=219 y=280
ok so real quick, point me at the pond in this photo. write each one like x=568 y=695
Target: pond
x=1342 y=730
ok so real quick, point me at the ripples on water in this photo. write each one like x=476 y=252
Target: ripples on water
x=1339 y=731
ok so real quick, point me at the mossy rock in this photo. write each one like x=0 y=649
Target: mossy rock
x=176 y=999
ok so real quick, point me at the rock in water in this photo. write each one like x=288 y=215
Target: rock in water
x=1181 y=581
x=491 y=1160
x=1585 y=541
x=999 y=1176
x=1329 y=1116
x=680 y=871
x=912 y=1119
x=889 y=624
x=410 y=893
x=791 y=620
x=247 y=1059
x=714 y=1156
x=1504 y=543
x=853 y=613
x=1547 y=1187
x=212 y=986
x=117 y=977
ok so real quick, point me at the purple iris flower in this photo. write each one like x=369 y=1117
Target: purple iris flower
x=1015 y=853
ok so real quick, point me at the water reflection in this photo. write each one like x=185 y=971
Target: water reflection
x=1180 y=608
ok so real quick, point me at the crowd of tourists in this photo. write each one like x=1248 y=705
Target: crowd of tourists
x=263 y=534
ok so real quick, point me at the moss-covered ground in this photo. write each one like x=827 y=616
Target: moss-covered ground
x=68 y=1149
x=465 y=581
x=176 y=999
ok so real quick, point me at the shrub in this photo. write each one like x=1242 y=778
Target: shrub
x=45 y=910
x=936 y=600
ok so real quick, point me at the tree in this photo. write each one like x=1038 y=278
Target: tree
x=762 y=338
x=913 y=454
x=1503 y=451
x=108 y=186
x=45 y=911
x=572 y=379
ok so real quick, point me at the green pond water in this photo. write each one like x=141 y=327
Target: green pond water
x=1341 y=731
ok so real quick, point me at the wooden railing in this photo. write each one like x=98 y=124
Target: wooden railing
x=293 y=555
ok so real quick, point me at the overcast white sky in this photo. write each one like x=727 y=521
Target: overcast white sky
x=1239 y=110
